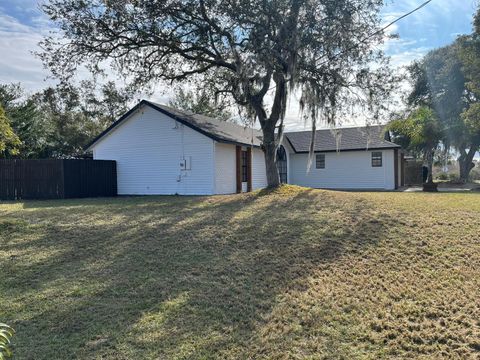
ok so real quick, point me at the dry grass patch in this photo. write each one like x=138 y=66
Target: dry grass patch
x=294 y=273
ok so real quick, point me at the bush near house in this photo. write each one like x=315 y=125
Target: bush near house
x=297 y=273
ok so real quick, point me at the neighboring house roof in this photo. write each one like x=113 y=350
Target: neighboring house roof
x=218 y=130
x=349 y=139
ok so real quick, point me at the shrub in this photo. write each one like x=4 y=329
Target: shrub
x=475 y=174
x=442 y=176
x=454 y=178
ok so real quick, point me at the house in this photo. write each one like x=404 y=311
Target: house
x=345 y=158
x=160 y=150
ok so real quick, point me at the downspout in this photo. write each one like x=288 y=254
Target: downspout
x=214 y=184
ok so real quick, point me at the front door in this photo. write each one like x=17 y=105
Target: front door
x=244 y=169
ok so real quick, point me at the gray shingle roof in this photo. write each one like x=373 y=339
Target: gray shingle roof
x=222 y=131
x=215 y=129
x=355 y=138
x=358 y=138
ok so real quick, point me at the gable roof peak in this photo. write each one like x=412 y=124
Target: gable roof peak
x=218 y=130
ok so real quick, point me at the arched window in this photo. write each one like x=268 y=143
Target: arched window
x=282 y=165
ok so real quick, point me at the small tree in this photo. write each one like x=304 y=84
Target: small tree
x=255 y=52
x=9 y=141
x=422 y=132
x=33 y=128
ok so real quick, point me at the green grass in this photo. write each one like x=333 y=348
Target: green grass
x=294 y=274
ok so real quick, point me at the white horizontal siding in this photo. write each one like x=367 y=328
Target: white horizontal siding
x=226 y=172
x=225 y=169
x=259 y=173
x=148 y=148
x=344 y=170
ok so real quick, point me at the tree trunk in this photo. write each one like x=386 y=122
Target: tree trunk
x=430 y=155
x=268 y=125
x=269 y=149
x=465 y=163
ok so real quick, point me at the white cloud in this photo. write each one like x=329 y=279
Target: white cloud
x=17 y=63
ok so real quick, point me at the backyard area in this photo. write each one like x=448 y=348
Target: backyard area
x=293 y=274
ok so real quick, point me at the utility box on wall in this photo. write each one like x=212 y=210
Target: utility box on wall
x=186 y=163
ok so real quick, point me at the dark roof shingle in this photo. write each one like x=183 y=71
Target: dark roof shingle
x=358 y=138
x=341 y=139
x=215 y=129
x=221 y=130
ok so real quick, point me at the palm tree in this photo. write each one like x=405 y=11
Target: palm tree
x=423 y=133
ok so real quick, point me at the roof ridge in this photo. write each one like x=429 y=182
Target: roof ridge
x=191 y=114
x=339 y=128
x=349 y=138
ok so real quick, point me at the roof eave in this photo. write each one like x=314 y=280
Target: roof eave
x=231 y=142
x=356 y=149
x=169 y=114
x=90 y=145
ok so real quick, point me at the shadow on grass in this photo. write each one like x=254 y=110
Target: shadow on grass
x=169 y=277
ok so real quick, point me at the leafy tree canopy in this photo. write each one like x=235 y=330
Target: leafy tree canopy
x=255 y=52
x=59 y=121
x=447 y=80
x=34 y=129
x=423 y=132
x=201 y=102
x=9 y=141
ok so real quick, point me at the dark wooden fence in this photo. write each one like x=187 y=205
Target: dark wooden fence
x=413 y=172
x=57 y=179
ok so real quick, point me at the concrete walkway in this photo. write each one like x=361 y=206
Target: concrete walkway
x=445 y=187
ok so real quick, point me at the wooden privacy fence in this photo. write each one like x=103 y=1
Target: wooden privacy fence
x=413 y=173
x=57 y=179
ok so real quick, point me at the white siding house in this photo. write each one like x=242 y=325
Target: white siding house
x=344 y=170
x=163 y=151
x=152 y=165
x=259 y=172
x=345 y=158
x=225 y=169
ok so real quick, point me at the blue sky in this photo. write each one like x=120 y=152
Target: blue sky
x=437 y=24
x=22 y=26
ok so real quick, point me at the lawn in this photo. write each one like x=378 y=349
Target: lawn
x=297 y=274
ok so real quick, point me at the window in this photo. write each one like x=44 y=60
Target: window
x=244 y=166
x=377 y=159
x=320 y=161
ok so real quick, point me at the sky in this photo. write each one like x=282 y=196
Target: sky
x=22 y=26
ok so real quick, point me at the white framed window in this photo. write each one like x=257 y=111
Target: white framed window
x=320 y=161
x=377 y=160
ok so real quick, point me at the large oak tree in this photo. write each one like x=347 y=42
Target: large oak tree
x=255 y=51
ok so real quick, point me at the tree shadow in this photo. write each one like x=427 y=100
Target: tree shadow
x=171 y=277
